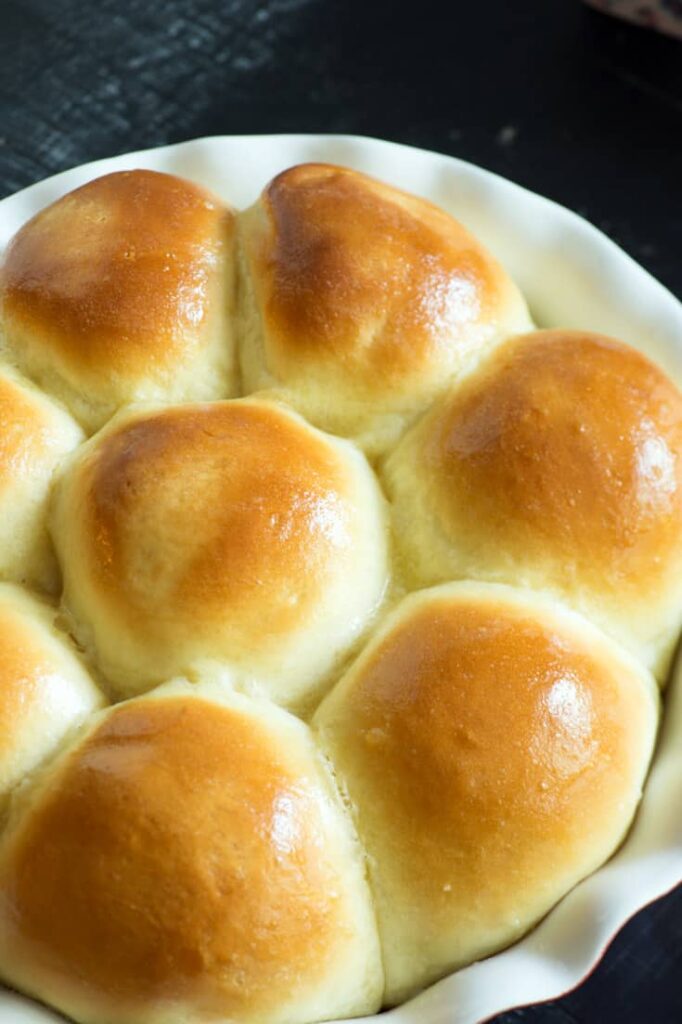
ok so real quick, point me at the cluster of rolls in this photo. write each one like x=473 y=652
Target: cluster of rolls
x=335 y=600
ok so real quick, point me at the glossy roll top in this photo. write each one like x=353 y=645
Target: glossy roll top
x=35 y=435
x=188 y=859
x=122 y=290
x=361 y=302
x=231 y=533
x=493 y=747
x=198 y=854
x=45 y=692
x=558 y=466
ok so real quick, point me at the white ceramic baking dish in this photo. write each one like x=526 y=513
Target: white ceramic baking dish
x=573 y=276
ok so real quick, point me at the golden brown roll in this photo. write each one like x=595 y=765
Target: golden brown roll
x=122 y=291
x=198 y=854
x=45 y=691
x=188 y=859
x=557 y=466
x=35 y=434
x=361 y=302
x=493 y=746
x=231 y=533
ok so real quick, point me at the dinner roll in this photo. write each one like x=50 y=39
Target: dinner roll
x=557 y=466
x=493 y=746
x=231 y=533
x=362 y=302
x=122 y=290
x=44 y=689
x=188 y=860
x=35 y=434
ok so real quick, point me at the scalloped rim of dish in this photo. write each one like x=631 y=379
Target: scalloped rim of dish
x=573 y=276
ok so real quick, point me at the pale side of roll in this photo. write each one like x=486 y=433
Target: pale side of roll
x=188 y=859
x=361 y=302
x=231 y=533
x=558 y=466
x=45 y=690
x=493 y=747
x=121 y=291
x=35 y=435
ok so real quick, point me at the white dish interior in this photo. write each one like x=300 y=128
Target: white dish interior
x=572 y=276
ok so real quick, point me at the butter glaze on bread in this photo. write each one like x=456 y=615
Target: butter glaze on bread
x=190 y=858
x=361 y=302
x=232 y=533
x=197 y=854
x=494 y=748
x=123 y=291
x=557 y=466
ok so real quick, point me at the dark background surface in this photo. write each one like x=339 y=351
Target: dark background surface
x=559 y=98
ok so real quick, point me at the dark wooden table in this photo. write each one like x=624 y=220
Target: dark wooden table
x=554 y=96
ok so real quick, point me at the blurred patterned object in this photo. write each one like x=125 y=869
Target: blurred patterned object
x=663 y=15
